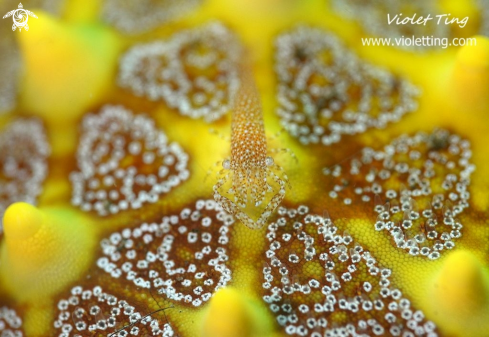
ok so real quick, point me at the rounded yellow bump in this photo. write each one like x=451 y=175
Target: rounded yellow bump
x=231 y=313
x=227 y=315
x=461 y=286
x=475 y=57
x=21 y=221
x=44 y=250
x=68 y=67
x=470 y=76
x=460 y=291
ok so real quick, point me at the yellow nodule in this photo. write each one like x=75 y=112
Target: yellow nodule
x=232 y=314
x=227 y=315
x=461 y=294
x=475 y=57
x=470 y=77
x=461 y=286
x=21 y=221
x=43 y=250
x=67 y=69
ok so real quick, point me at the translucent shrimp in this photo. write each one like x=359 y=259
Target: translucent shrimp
x=257 y=184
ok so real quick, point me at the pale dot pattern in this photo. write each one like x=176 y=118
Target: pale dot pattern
x=183 y=257
x=124 y=162
x=319 y=282
x=194 y=72
x=23 y=162
x=372 y=15
x=10 y=323
x=418 y=187
x=139 y=16
x=90 y=312
x=326 y=92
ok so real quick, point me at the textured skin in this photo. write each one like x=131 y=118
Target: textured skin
x=454 y=97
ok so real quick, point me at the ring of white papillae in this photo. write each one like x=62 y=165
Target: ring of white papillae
x=105 y=182
x=195 y=72
x=433 y=170
x=318 y=283
x=183 y=257
x=88 y=311
x=314 y=92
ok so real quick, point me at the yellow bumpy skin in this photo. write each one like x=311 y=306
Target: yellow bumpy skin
x=109 y=227
x=470 y=78
x=43 y=250
x=65 y=53
x=232 y=314
x=461 y=294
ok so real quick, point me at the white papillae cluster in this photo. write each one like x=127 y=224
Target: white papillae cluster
x=194 y=72
x=320 y=283
x=139 y=16
x=124 y=162
x=325 y=91
x=10 y=323
x=87 y=312
x=417 y=185
x=183 y=257
x=23 y=162
x=372 y=15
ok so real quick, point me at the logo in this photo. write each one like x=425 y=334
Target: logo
x=20 y=17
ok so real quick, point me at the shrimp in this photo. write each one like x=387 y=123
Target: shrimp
x=256 y=179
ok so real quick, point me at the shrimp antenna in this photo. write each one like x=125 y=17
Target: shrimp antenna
x=139 y=320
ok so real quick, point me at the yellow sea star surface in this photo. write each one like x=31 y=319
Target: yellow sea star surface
x=113 y=119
